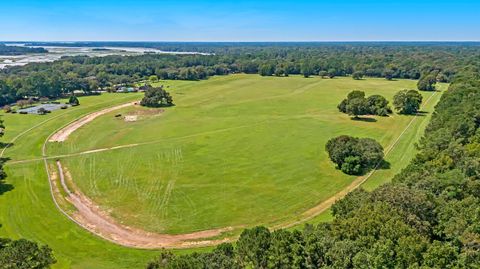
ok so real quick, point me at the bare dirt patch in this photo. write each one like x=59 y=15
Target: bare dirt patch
x=131 y=118
x=65 y=132
x=93 y=218
x=140 y=114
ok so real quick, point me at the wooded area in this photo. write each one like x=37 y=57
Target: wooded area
x=409 y=61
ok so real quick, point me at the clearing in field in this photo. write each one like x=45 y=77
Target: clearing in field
x=234 y=152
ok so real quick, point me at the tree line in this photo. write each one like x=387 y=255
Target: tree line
x=410 y=61
x=17 y=50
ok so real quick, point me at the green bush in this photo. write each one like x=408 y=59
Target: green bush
x=73 y=101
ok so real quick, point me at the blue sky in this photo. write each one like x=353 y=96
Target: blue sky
x=148 y=20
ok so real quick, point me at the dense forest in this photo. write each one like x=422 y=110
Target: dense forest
x=16 y=50
x=428 y=217
x=409 y=61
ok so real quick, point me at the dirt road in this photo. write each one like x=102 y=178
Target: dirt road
x=93 y=218
x=65 y=132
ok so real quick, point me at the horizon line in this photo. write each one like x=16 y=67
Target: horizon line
x=237 y=41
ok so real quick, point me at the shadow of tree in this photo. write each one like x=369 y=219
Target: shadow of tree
x=5 y=145
x=4 y=187
x=384 y=165
x=421 y=113
x=364 y=119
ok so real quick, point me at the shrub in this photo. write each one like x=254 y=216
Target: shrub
x=42 y=111
x=73 y=101
x=7 y=109
x=22 y=103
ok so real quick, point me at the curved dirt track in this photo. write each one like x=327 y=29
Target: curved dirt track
x=92 y=218
x=65 y=132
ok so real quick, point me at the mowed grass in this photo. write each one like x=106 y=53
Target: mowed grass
x=28 y=210
x=238 y=151
x=400 y=155
x=26 y=207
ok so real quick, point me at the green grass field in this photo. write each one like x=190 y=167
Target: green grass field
x=239 y=150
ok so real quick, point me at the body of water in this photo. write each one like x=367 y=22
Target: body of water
x=55 y=53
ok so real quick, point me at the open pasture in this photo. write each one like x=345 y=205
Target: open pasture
x=235 y=151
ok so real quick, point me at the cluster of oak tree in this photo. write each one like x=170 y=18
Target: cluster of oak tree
x=405 y=102
x=356 y=104
x=355 y=156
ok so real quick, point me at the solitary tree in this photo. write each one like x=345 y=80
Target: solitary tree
x=407 y=101
x=156 y=97
x=354 y=155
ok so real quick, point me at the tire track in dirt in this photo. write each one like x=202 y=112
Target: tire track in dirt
x=91 y=217
x=65 y=132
